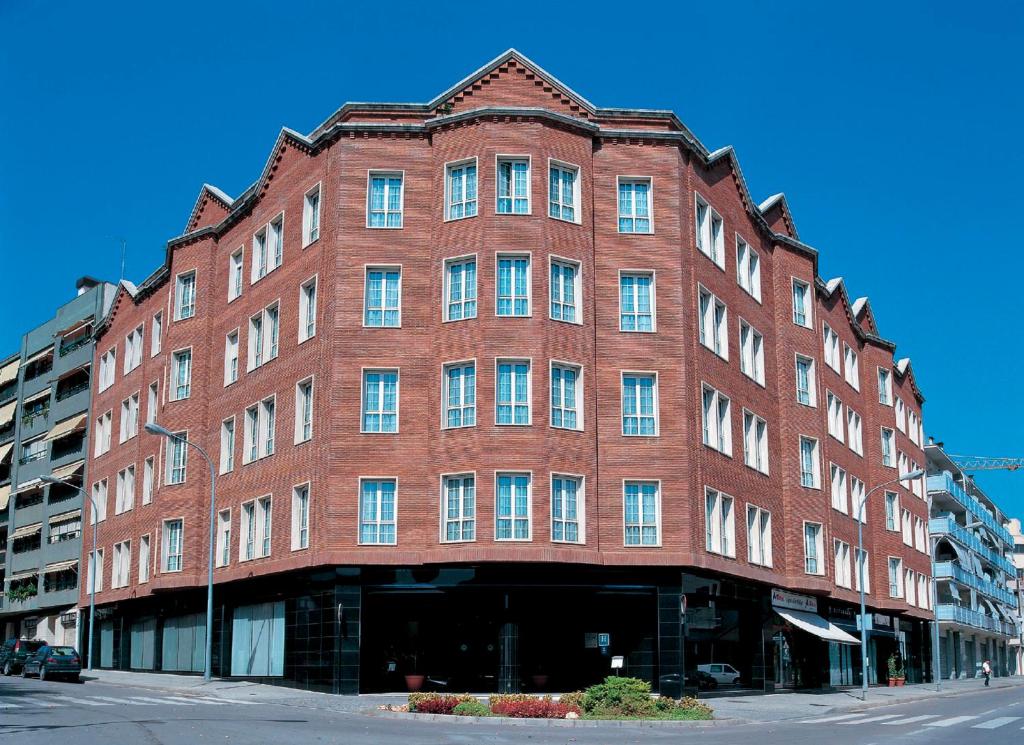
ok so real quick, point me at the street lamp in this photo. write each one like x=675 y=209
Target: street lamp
x=860 y=575
x=92 y=573
x=155 y=429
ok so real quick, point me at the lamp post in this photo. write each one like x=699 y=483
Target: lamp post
x=92 y=573
x=155 y=429
x=860 y=575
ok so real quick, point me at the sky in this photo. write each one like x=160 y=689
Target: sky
x=894 y=129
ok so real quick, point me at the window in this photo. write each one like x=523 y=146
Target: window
x=156 y=334
x=304 y=410
x=751 y=352
x=759 y=536
x=223 y=546
x=512 y=507
x=884 y=387
x=144 y=559
x=566 y=397
x=810 y=467
x=566 y=497
x=133 y=350
x=460 y=190
x=147 y=480
x=719 y=524
x=842 y=563
x=563 y=192
x=642 y=513
x=307 y=310
x=98 y=503
x=181 y=367
x=235 y=274
x=855 y=430
x=107 y=370
x=124 y=495
x=640 y=404
x=920 y=543
x=459 y=508
x=636 y=302
x=267 y=249
x=635 y=205
x=716 y=409
x=264 y=335
x=755 y=442
x=922 y=591
x=513 y=186
x=227 y=445
x=460 y=289
x=901 y=415
x=806 y=385
x=860 y=509
x=129 y=418
x=122 y=564
x=910 y=586
x=895 y=577
x=94 y=581
x=103 y=434
x=907 y=528
x=835 y=416
x=231 y=357
x=300 y=517
x=151 y=403
x=383 y=303
x=185 y=296
x=831 y=348
x=172 y=543
x=915 y=484
x=710 y=232
x=177 y=458
x=892 y=511
x=888 y=451
x=748 y=269
x=385 y=200
x=713 y=321
x=565 y=291
x=813 y=549
x=839 y=493
x=459 y=395
x=513 y=285
x=264 y=517
x=513 y=400
x=247 y=532
x=863 y=569
x=913 y=425
x=801 y=303
x=259 y=430
x=276 y=253
x=380 y=401
x=311 y=216
x=377 y=512
x=852 y=367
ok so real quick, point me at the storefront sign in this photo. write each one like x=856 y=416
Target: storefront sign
x=881 y=621
x=842 y=613
x=604 y=640
x=793 y=601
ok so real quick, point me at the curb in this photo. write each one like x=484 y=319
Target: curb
x=524 y=722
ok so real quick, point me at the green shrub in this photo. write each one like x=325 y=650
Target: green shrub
x=698 y=708
x=619 y=697
x=500 y=699
x=573 y=700
x=472 y=708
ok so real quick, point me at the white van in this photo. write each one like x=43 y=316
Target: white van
x=722 y=673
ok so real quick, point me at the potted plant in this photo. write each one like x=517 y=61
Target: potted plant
x=892 y=670
x=897 y=675
x=413 y=677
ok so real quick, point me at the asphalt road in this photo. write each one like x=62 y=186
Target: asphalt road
x=95 y=712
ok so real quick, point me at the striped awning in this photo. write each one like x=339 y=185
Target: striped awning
x=45 y=393
x=60 y=566
x=38 y=356
x=63 y=517
x=23 y=575
x=29 y=485
x=75 y=327
x=69 y=470
x=7 y=413
x=27 y=530
x=5 y=496
x=9 y=372
x=72 y=424
x=4 y=450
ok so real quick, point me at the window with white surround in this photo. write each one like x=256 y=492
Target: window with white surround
x=835 y=416
x=748 y=268
x=719 y=523
x=231 y=357
x=839 y=489
x=275 y=234
x=895 y=577
x=888 y=447
x=94 y=581
x=901 y=415
x=383 y=297
x=185 y=296
x=98 y=502
x=103 y=434
x=566 y=396
x=635 y=205
x=716 y=411
x=260 y=261
x=222 y=557
x=751 y=352
x=152 y=400
x=129 y=423
x=258 y=437
x=566 y=291
x=806 y=383
x=459 y=507
x=920 y=542
x=892 y=511
x=513 y=189
x=859 y=509
x=851 y=367
x=713 y=322
x=108 y=361
x=801 y=303
x=124 y=496
x=907 y=528
x=133 y=350
x=814 y=561
x=910 y=586
x=642 y=513
x=513 y=399
x=755 y=442
x=640 y=404
x=300 y=517
x=148 y=467
x=923 y=594
x=235 y=273
x=855 y=431
x=460 y=289
x=156 y=331
x=810 y=463
x=377 y=511
x=307 y=309
x=144 y=559
x=636 y=301
x=380 y=401
x=177 y=458
x=884 y=387
x=915 y=484
x=384 y=200
x=831 y=348
x=181 y=374
x=902 y=464
x=460 y=190
x=311 y=216
x=121 y=569
x=566 y=509
x=264 y=336
x=264 y=517
x=513 y=288
x=247 y=532
x=227 y=445
x=759 y=536
x=710 y=231
x=863 y=567
x=841 y=558
x=304 y=410
x=563 y=192
x=913 y=425
x=513 y=507
x=172 y=546
x=459 y=395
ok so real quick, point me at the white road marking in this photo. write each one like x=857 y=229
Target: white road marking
x=832 y=719
x=158 y=701
x=231 y=701
x=997 y=722
x=873 y=719
x=949 y=722
x=8 y=706
x=197 y=700
x=74 y=700
x=41 y=702
x=912 y=720
x=113 y=700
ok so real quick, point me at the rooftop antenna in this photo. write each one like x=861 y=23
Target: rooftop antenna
x=124 y=251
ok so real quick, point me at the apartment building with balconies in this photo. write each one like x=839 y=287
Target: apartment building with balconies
x=1017 y=644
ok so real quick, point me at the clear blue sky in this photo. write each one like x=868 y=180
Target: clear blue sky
x=894 y=129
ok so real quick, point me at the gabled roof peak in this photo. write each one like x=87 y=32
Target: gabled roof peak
x=833 y=283
x=858 y=305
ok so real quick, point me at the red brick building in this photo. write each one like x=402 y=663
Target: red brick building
x=489 y=382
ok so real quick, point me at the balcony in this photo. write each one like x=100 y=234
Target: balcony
x=947 y=526
x=68 y=347
x=949 y=570
x=968 y=617
x=944 y=483
x=71 y=390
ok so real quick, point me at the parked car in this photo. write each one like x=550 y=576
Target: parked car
x=14 y=653
x=722 y=673
x=53 y=662
x=695 y=679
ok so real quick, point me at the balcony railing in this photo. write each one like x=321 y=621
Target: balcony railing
x=949 y=526
x=949 y=570
x=71 y=346
x=38 y=455
x=27 y=419
x=71 y=390
x=968 y=617
x=945 y=483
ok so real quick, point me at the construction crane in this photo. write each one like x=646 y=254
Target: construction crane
x=985 y=463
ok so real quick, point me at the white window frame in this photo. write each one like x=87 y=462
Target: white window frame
x=894 y=565
x=719 y=526
x=576 y=186
x=579 y=399
x=748 y=268
x=513 y=516
x=716 y=335
x=636 y=295
x=884 y=379
x=751 y=352
x=858 y=495
x=301 y=509
x=893 y=512
x=861 y=558
x=815 y=465
x=308 y=301
x=173 y=443
x=177 y=356
x=311 y=229
x=384 y=309
x=619 y=180
x=708 y=241
x=657 y=403
x=228 y=443
x=236 y=273
x=222 y=544
x=513 y=196
x=381 y=412
x=148 y=477
x=463 y=518
x=812 y=381
x=231 y=371
x=580 y=508
x=513 y=256
x=265 y=346
x=759 y=537
x=839 y=488
x=462 y=407
x=452 y=166
x=641 y=514
x=301 y=424
x=156 y=329
x=446 y=303
x=165 y=546
x=851 y=366
x=808 y=300
x=577 y=289
x=888 y=458
x=831 y=346
x=855 y=431
x=755 y=442
x=498 y=361
x=716 y=429
x=819 y=546
x=841 y=562
x=836 y=425
x=179 y=282
x=386 y=175
x=144 y=558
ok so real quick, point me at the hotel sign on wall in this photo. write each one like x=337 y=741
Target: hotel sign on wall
x=793 y=601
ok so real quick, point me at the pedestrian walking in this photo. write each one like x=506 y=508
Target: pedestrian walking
x=986 y=670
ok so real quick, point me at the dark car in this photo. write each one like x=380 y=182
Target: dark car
x=14 y=653
x=53 y=662
x=695 y=680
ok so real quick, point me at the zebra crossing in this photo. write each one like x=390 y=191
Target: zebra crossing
x=13 y=704
x=921 y=720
